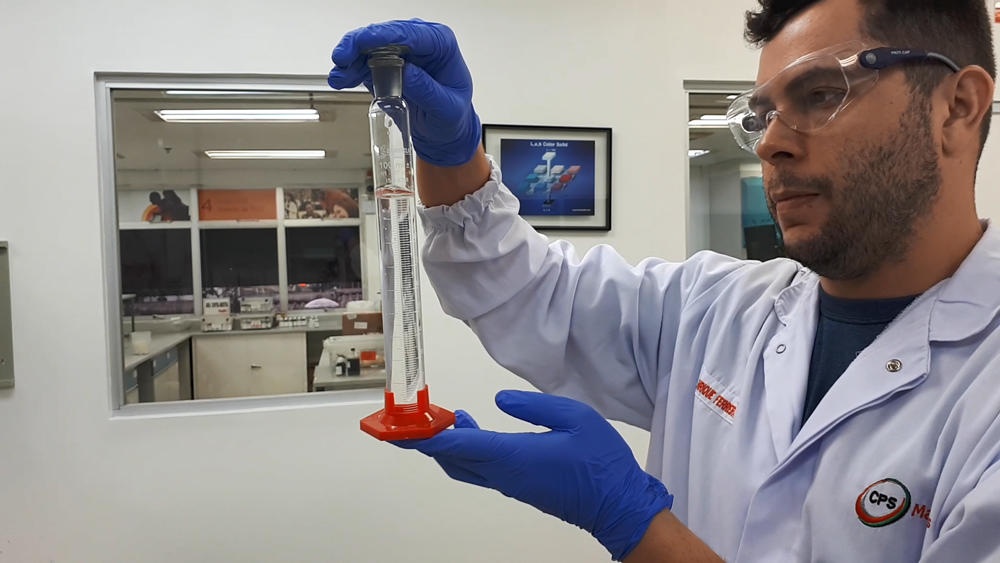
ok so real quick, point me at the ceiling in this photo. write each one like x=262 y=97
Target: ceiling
x=151 y=152
x=717 y=140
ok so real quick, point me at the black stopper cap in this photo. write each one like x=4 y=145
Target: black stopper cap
x=386 y=64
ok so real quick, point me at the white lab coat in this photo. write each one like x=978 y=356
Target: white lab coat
x=656 y=345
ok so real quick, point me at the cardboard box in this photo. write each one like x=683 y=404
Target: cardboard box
x=362 y=323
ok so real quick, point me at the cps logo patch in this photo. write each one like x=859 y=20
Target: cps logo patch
x=883 y=503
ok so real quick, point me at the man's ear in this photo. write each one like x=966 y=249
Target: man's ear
x=969 y=98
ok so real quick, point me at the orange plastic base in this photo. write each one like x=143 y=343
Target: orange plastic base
x=406 y=423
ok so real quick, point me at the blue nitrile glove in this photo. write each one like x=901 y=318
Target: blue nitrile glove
x=436 y=84
x=581 y=471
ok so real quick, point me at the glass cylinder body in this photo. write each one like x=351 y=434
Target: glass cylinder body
x=395 y=196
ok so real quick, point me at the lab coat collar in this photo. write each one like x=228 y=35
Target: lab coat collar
x=800 y=293
x=966 y=303
x=956 y=308
x=969 y=300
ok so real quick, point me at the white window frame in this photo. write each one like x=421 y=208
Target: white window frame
x=105 y=85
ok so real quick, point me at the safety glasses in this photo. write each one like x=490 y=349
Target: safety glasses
x=813 y=90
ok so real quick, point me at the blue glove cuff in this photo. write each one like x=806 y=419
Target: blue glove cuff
x=455 y=153
x=646 y=498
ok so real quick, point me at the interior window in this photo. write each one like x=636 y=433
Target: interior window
x=241 y=243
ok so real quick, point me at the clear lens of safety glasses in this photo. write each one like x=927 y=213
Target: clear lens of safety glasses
x=805 y=97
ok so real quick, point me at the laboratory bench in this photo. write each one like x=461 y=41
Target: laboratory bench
x=191 y=364
x=159 y=345
x=159 y=375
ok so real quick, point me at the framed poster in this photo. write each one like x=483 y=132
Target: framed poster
x=560 y=175
x=330 y=203
x=156 y=206
x=237 y=205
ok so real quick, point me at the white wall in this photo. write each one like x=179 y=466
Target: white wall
x=298 y=485
x=991 y=7
x=988 y=179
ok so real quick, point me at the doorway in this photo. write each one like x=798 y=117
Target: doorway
x=727 y=210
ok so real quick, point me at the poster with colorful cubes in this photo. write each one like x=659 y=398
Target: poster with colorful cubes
x=550 y=177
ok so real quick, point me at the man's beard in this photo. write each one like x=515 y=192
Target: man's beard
x=887 y=187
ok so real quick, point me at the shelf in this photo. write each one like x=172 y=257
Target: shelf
x=146 y=226
x=208 y=225
x=322 y=222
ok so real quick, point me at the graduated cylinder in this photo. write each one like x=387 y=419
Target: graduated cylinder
x=397 y=224
x=408 y=413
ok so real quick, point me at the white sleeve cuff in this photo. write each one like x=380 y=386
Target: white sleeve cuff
x=473 y=206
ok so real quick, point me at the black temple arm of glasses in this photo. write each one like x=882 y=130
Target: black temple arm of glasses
x=883 y=57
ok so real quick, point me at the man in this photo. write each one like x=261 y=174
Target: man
x=840 y=405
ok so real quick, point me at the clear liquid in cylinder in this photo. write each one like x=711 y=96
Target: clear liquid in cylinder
x=401 y=289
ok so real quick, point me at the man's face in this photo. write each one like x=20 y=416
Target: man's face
x=863 y=181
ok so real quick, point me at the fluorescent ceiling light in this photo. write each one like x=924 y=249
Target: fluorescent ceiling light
x=713 y=117
x=229 y=115
x=732 y=97
x=709 y=124
x=697 y=153
x=266 y=155
x=211 y=93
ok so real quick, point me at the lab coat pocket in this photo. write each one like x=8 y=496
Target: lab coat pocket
x=714 y=455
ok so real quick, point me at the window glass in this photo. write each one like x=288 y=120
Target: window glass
x=324 y=267
x=156 y=270
x=239 y=262
x=241 y=233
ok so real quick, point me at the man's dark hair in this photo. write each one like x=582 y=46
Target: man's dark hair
x=959 y=29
